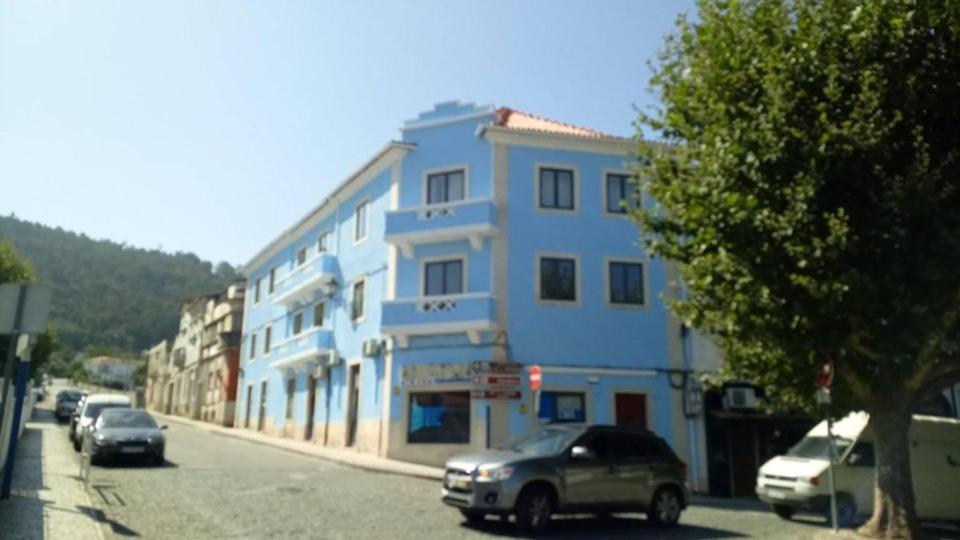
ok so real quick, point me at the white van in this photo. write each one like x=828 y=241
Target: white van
x=800 y=480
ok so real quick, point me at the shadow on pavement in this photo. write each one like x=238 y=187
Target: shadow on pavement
x=97 y=515
x=614 y=527
x=23 y=511
x=120 y=463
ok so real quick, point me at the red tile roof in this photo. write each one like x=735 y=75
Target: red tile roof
x=519 y=120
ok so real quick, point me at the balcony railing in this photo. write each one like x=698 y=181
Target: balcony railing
x=303 y=351
x=300 y=284
x=469 y=313
x=471 y=219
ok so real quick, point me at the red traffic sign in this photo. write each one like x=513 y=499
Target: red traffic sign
x=825 y=375
x=536 y=377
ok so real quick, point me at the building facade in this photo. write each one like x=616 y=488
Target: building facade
x=110 y=370
x=195 y=374
x=158 y=376
x=220 y=356
x=402 y=315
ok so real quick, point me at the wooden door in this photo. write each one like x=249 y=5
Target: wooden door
x=631 y=410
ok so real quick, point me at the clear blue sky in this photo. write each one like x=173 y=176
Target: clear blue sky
x=212 y=126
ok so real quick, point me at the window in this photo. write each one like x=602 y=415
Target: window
x=446 y=187
x=272 y=284
x=318 y=310
x=297 y=322
x=267 y=338
x=291 y=392
x=439 y=417
x=360 y=222
x=443 y=277
x=253 y=346
x=356 y=306
x=301 y=256
x=558 y=279
x=256 y=290
x=563 y=407
x=626 y=283
x=621 y=195
x=556 y=189
x=322 y=242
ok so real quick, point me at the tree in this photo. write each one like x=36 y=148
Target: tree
x=13 y=268
x=808 y=189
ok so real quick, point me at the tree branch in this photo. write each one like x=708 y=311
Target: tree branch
x=926 y=358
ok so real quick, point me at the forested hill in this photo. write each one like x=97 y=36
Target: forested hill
x=107 y=294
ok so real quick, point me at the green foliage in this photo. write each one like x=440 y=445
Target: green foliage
x=109 y=295
x=809 y=190
x=139 y=377
x=13 y=267
x=46 y=346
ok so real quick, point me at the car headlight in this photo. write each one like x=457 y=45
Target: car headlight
x=155 y=440
x=493 y=474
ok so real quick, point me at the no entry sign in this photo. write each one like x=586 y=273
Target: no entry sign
x=536 y=377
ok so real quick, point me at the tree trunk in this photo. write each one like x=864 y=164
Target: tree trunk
x=894 y=511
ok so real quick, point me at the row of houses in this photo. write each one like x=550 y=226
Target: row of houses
x=194 y=374
x=403 y=315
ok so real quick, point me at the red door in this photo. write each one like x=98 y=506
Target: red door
x=631 y=410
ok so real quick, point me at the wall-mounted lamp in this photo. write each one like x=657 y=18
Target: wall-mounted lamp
x=329 y=287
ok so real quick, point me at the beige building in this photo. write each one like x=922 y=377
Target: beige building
x=195 y=374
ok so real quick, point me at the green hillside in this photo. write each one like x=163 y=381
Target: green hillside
x=108 y=294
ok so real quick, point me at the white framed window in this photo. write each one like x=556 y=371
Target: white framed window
x=296 y=325
x=272 y=281
x=302 y=256
x=357 y=307
x=620 y=194
x=361 y=222
x=267 y=338
x=442 y=276
x=626 y=282
x=445 y=185
x=323 y=241
x=253 y=346
x=558 y=279
x=556 y=188
x=318 y=313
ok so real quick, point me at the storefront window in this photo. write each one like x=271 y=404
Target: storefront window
x=562 y=407
x=439 y=417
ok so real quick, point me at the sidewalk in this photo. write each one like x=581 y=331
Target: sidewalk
x=347 y=457
x=47 y=500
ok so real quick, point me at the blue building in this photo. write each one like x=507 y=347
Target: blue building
x=401 y=315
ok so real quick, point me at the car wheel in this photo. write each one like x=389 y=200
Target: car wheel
x=534 y=507
x=472 y=516
x=847 y=513
x=159 y=460
x=665 y=508
x=783 y=511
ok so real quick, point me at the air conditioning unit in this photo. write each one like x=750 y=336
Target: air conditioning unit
x=332 y=359
x=740 y=397
x=371 y=348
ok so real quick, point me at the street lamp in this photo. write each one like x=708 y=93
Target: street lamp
x=329 y=287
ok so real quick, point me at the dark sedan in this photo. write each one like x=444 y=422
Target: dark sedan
x=67 y=403
x=125 y=433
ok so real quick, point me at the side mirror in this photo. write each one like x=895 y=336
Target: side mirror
x=582 y=452
x=163 y=426
x=853 y=459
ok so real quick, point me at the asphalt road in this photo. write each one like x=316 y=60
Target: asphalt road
x=214 y=486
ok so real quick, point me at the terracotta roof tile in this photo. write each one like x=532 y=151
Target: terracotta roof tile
x=519 y=120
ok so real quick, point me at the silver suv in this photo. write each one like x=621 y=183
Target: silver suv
x=570 y=468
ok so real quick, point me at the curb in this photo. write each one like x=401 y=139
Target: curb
x=264 y=441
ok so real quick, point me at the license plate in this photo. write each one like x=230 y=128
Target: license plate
x=774 y=494
x=132 y=450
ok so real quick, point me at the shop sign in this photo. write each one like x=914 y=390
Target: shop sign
x=436 y=374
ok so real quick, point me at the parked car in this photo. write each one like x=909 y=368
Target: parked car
x=570 y=468
x=123 y=432
x=66 y=403
x=92 y=406
x=75 y=416
x=798 y=481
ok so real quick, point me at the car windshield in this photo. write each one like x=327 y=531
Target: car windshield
x=93 y=409
x=71 y=396
x=818 y=447
x=545 y=441
x=127 y=419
